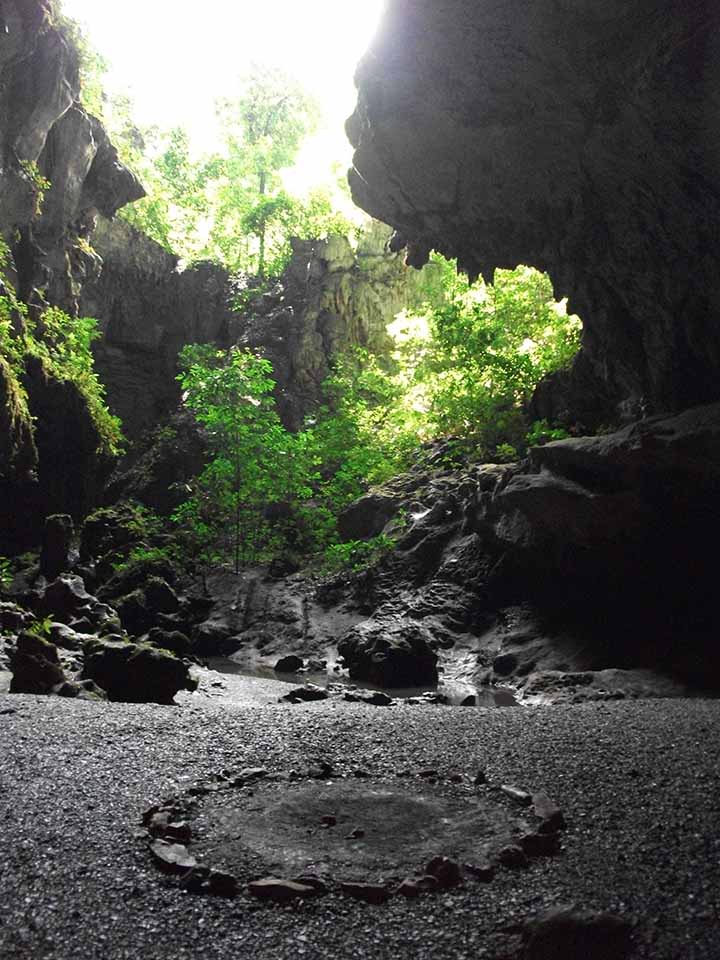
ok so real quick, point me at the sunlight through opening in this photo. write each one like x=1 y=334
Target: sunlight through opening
x=176 y=60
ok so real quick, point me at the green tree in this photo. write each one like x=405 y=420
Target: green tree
x=473 y=363
x=263 y=129
x=254 y=461
x=363 y=434
x=175 y=183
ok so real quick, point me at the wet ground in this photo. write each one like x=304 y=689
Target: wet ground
x=637 y=782
x=453 y=693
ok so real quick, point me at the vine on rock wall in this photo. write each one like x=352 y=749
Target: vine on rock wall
x=62 y=344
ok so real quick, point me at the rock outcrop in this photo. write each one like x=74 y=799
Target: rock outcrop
x=330 y=298
x=148 y=309
x=578 y=138
x=58 y=173
x=46 y=135
x=598 y=553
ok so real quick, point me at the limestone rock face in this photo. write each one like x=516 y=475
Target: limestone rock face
x=597 y=553
x=44 y=132
x=331 y=297
x=148 y=309
x=58 y=171
x=580 y=138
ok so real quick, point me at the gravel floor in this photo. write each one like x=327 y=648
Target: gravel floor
x=638 y=783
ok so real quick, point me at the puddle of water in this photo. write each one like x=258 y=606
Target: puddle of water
x=456 y=693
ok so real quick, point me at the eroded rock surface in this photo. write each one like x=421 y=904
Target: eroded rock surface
x=577 y=138
x=58 y=173
x=579 y=575
x=330 y=298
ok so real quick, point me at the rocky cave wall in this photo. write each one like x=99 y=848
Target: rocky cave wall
x=580 y=138
x=147 y=310
x=45 y=133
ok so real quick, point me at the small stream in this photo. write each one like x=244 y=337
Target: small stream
x=456 y=693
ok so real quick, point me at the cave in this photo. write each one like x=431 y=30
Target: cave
x=478 y=718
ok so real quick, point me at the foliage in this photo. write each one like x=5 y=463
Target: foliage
x=363 y=435
x=40 y=627
x=64 y=346
x=6 y=575
x=542 y=432
x=12 y=352
x=176 y=203
x=263 y=129
x=230 y=207
x=146 y=556
x=472 y=364
x=39 y=184
x=93 y=65
x=356 y=555
x=62 y=343
x=461 y=373
x=254 y=463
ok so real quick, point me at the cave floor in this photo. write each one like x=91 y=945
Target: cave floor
x=637 y=782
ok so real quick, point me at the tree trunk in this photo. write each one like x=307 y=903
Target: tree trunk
x=262 y=189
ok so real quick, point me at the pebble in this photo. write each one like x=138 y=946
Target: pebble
x=368 y=892
x=279 y=890
x=172 y=856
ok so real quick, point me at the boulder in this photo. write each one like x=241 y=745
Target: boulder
x=141 y=610
x=135 y=616
x=368 y=516
x=64 y=596
x=135 y=576
x=13 y=617
x=66 y=637
x=375 y=893
x=393 y=653
x=572 y=932
x=306 y=694
x=55 y=552
x=160 y=596
x=80 y=690
x=280 y=890
x=289 y=664
x=135 y=672
x=35 y=664
x=172 y=640
x=215 y=638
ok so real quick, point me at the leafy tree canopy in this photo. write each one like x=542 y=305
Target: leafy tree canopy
x=230 y=206
x=254 y=461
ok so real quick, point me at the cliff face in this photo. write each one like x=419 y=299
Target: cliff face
x=580 y=138
x=47 y=138
x=331 y=297
x=45 y=133
x=147 y=310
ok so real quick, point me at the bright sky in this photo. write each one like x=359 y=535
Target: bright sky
x=175 y=58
